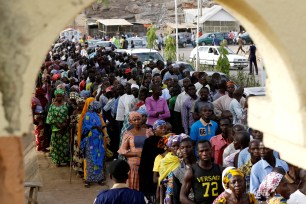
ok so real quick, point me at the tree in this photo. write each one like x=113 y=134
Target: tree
x=170 y=48
x=151 y=40
x=223 y=64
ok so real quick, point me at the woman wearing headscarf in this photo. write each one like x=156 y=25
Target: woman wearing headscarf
x=152 y=147
x=131 y=147
x=39 y=103
x=85 y=94
x=274 y=189
x=168 y=164
x=58 y=118
x=234 y=185
x=77 y=162
x=93 y=135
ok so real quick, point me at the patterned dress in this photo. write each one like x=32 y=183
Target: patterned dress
x=38 y=107
x=93 y=146
x=77 y=160
x=221 y=199
x=60 y=138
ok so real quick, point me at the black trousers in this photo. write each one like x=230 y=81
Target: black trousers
x=253 y=61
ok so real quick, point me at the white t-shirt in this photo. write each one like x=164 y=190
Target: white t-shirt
x=297 y=198
x=165 y=94
x=125 y=105
x=181 y=98
x=236 y=110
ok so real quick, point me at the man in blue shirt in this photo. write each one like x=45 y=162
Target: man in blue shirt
x=245 y=156
x=205 y=128
x=119 y=193
x=264 y=167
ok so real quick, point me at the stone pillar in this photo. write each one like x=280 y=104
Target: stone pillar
x=28 y=28
x=11 y=170
x=275 y=27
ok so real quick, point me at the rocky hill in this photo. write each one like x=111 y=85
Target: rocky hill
x=158 y=12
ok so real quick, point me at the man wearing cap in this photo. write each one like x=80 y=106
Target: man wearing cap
x=223 y=103
x=119 y=193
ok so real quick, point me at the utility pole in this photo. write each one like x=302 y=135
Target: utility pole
x=197 y=36
x=176 y=30
x=201 y=5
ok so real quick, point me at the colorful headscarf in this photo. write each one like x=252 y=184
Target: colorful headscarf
x=134 y=114
x=269 y=184
x=59 y=91
x=158 y=123
x=229 y=174
x=73 y=95
x=162 y=143
x=176 y=138
x=94 y=106
x=223 y=175
x=142 y=111
x=85 y=94
x=84 y=111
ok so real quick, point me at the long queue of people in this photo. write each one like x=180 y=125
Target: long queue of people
x=177 y=137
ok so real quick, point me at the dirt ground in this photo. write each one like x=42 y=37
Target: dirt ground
x=57 y=188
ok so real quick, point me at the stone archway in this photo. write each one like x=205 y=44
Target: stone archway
x=280 y=114
x=29 y=27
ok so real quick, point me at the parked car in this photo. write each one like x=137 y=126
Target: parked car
x=138 y=42
x=207 y=38
x=92 y=44
x=209 y=55
x=187 y=65
x=182 y=39
x=143 y=54
x=226 y=37
x=187 y=36
x=246 y=39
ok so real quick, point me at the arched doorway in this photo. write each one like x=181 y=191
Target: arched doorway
x=30 y=27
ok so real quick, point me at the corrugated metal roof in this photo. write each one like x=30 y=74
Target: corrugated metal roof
x=208 y=13
x=114 y=22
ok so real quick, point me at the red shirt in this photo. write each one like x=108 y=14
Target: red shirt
x=82 y=85
x=218 y=144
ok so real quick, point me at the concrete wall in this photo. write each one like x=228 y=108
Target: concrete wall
x=29 y=27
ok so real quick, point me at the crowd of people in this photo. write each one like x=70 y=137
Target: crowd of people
x=175 y=137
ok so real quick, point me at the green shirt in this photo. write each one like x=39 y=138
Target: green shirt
x=172 y=102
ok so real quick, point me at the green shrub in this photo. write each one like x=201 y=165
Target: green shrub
x=151 y=40
x=223 y=64
x=170 y=48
